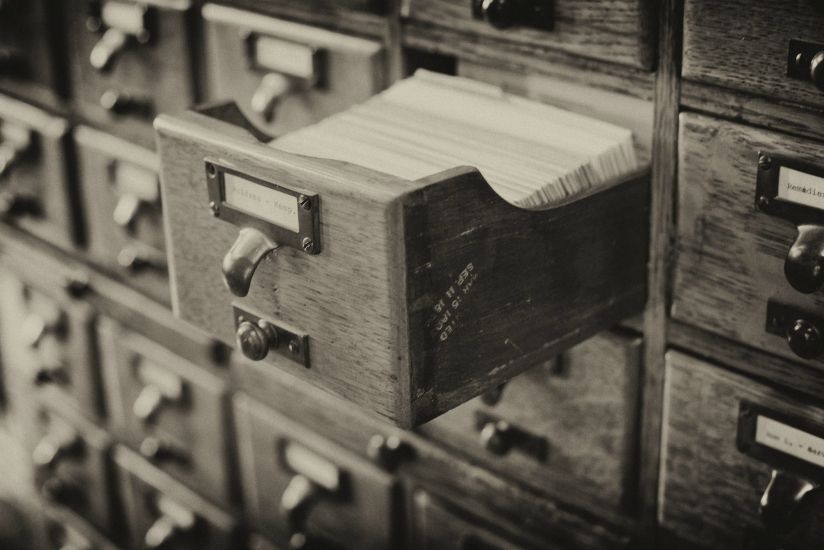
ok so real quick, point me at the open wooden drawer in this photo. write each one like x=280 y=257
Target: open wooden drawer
x=405 y=297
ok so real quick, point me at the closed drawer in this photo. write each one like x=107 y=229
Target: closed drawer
x=131 y=61
x=73 y=468
x=50 y=341
x=437 y=524
x=615 y=31
x=567 y=426
x=300 y=487
x=121 y=196
x=170 y=410
x=37 y=191
x=161 y=513
x=370 y=314
x=732 y=269
x=320 y=6
x=752 y=46
x=741 y=464
x=32 y=50
x=286 y=75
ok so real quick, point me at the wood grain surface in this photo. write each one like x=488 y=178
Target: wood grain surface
x=583 y=404
x=615 y=31
x=710 y=490
x=731 y=256
x=400 y=248
x=743 y=45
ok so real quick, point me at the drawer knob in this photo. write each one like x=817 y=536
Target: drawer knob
x=804 y=266
x=805 y=339
x=388 y=452
x=498 y=13
x=136 y=259
x=817 y=70
x=503 y=14
x=174 y=521
x=243 y=258
x=151 y=400
x=122 y=103
x=255 y=340
x=48 y=452
x=297 y=501
x=495 y=437
x=110 y=45
x=784 y=501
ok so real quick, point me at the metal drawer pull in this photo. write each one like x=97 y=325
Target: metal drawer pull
x=174 y=520
x=783 y=503
x=240 y=263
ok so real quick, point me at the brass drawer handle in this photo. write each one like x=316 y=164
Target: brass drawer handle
x=240 y=263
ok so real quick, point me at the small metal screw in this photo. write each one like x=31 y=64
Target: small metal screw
x=214 y=208
x=305 y=202
x=307 y=244
x=211 y=170
x=763 y=202
x=765 y=162
x=294 y=347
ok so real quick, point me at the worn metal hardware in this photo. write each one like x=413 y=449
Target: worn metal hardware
x=770 y=437
x=794 y=191
x=805 y=61
x=503 y=14
x=241 y=261
x=803 y=331
x=500 y=437
x=277 y=211
x=258 y=336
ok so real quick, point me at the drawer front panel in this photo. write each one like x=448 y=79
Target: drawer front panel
x=712 y=485
x=567 y=426
x=297 y=484
x=121 y=195
x=128 y=69
x=54 y=344
x=616 y=31
x=36 y=187
x=286 y=75
x=731 y=255
x=164 y=514
x=170 y=410
x=753 y=54
x=322 y=6
x=72 y=467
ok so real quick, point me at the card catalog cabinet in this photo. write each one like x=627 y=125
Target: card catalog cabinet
x=742 y=462
x=37 y=188
x=777 y=51
x=615 y=31
x=131 y=61
x=120 y=188
x=747 y=264
x=566 y=426
x=286 y=75
x=358 y=295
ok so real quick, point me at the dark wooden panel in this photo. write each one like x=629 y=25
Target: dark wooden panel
x=710 y=489
x=397 y=247
x=743 y=44
x=731 y=256
x=619 y=32
x=581 y=405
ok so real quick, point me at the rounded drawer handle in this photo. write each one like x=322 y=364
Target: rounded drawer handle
x=804 y=266
x=495 y=437
x=783 y=503
x=243 y=258
x=255 y=340
x=272 y=89
x=817 y=70
x=500 y=14
x=805 y=339
x=107 y=49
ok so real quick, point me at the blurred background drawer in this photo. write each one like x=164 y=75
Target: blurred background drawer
x=730 y=272
x=73 y=469
x=170 y=410
x=64 y=530
x=285 y=75
x=614 y=31
x=162 y=513
x=131 y=61
x=299 y=486
x=748 y=45
x=567 y=426
x=37 y=190
x=726 y=440
x=50 y=339
x=372 y=6
x=33 y=53
x=120 y=188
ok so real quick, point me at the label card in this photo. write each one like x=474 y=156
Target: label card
x=285 y=57
x=262 y=202
x=800 y=188
x=789 y=440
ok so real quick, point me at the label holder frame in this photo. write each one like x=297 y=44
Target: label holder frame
x=766 y=189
